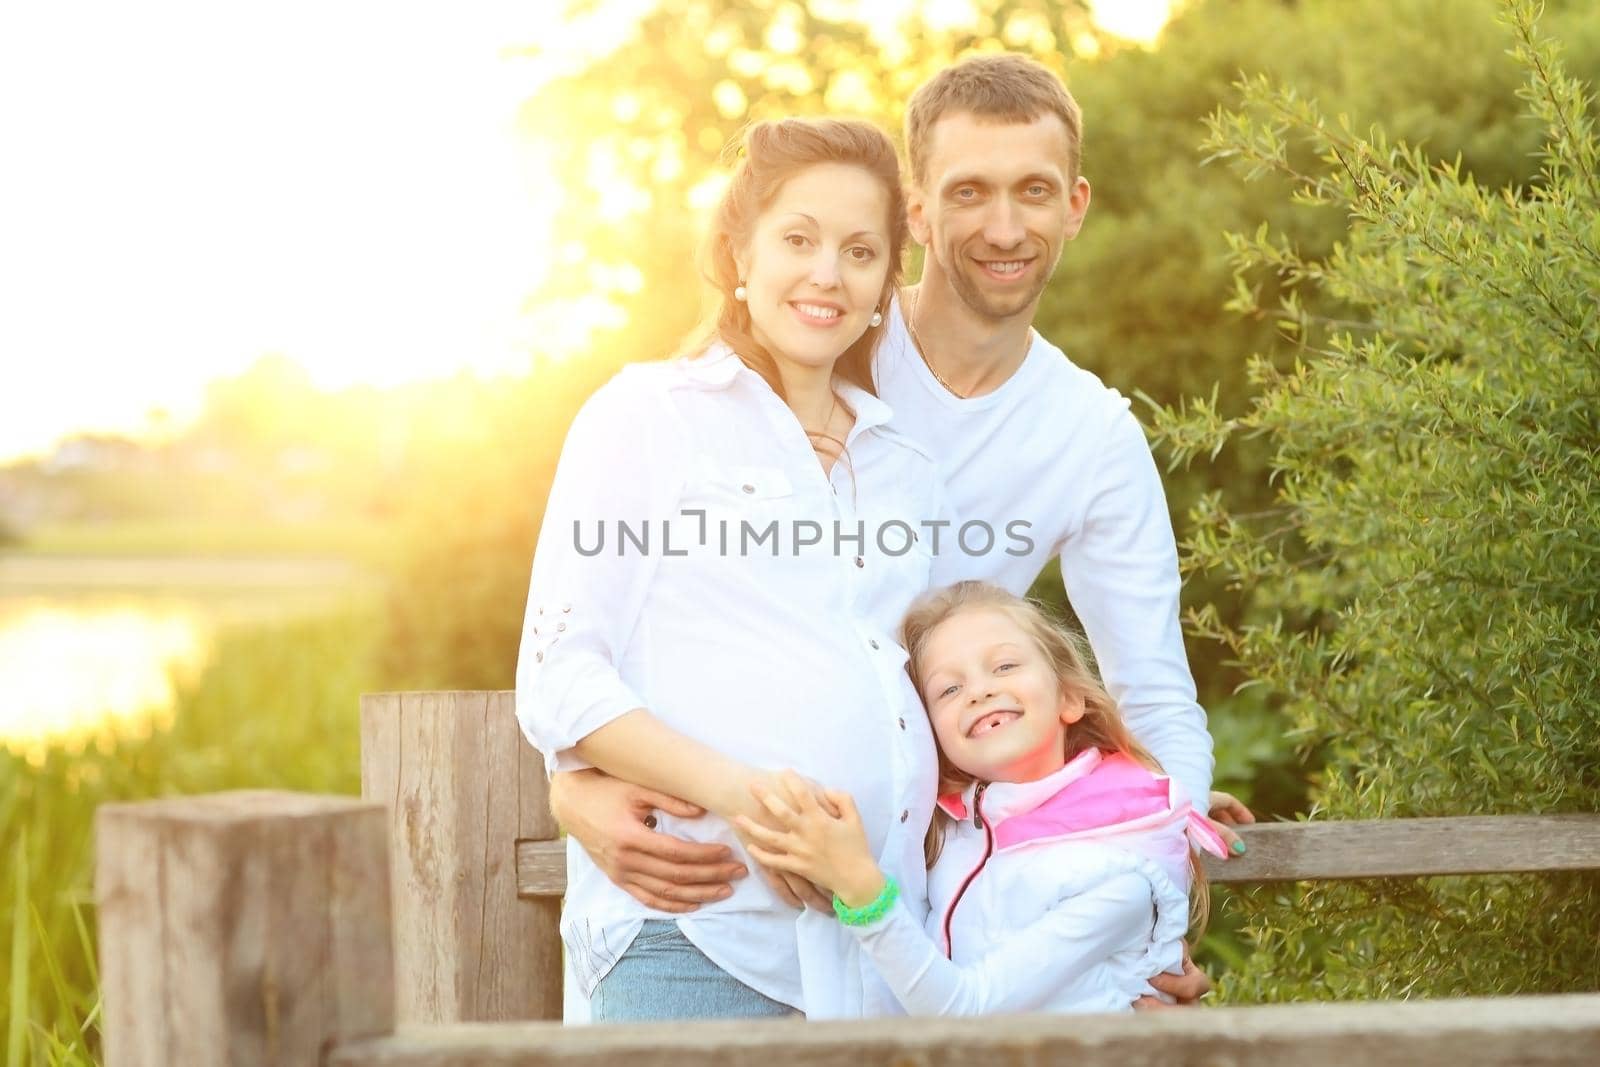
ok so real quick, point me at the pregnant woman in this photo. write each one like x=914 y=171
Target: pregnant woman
x=730 y=542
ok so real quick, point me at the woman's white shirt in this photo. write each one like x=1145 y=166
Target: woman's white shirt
x=696 y=560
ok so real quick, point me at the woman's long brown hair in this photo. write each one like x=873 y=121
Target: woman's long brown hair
x=772 y=153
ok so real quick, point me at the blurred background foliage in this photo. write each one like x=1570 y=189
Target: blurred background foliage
x=1151 y=267
x=439 y=488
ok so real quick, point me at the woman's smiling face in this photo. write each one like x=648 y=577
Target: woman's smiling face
x=996 y=706
x=815 y=264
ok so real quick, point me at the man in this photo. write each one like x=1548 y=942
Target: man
x=1041 y=459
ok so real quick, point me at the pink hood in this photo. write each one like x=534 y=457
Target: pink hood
x=1102 y=796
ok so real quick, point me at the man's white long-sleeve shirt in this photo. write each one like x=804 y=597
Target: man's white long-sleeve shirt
x=776 y=654
x=1056 y=449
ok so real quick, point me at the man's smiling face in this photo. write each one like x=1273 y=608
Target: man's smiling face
x=996 y=205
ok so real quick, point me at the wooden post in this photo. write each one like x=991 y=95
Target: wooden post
x=463 y=786
x=247 y=929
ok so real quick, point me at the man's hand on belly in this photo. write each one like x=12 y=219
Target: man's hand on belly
x=614 y=821
x=1187 y=988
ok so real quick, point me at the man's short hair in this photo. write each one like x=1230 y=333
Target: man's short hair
x=1002 y=87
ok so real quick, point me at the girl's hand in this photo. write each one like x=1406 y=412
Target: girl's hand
x=742 y=807
x=803 y=837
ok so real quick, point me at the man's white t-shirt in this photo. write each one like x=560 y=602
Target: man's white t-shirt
x=1053 y=463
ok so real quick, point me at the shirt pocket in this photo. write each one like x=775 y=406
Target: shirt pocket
x=732 y=496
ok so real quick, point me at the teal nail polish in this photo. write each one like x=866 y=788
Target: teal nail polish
x=1238 y=848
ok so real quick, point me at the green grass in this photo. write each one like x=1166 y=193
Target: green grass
x=277 y=707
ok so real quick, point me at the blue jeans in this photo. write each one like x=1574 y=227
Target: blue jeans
x=662 y=976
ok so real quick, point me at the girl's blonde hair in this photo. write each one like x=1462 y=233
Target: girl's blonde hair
x=1100 y=727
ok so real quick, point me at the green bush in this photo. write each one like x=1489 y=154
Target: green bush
x=1422 y=598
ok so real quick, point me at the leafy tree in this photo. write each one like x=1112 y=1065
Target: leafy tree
x=1423 y=595
x=638 y=133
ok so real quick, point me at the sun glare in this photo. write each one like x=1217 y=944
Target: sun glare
x=195 y=186
x=200 y=185
x=1135 y=20
x=71 y=673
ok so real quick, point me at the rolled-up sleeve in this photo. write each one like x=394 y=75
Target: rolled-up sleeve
x=622 y=462
x=1025 y=970
x=1121 y=575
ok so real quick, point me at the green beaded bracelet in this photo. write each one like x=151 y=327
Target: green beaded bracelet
x=868 y=914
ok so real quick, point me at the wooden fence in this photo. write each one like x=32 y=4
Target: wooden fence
x=274 y=928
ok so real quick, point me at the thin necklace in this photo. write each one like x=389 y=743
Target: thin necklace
x=826 y=422
x=842 y=451
x=916 y=342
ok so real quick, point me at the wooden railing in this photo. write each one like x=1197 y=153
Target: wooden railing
x=275 y=928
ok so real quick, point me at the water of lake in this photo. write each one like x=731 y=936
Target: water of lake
x=90 y=643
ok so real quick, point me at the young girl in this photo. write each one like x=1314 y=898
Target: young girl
x=1061 y=861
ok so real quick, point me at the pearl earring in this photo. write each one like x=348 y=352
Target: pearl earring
x=739 y=292
x=876 y=320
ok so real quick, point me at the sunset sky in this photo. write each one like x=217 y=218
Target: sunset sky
x=192 y=185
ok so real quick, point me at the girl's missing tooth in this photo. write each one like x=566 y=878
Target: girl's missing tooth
x=1060 y=859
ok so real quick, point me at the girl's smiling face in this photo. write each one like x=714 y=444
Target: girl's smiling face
x=997 y=708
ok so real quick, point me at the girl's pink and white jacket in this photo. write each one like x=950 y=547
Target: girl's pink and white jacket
x=1065 y=894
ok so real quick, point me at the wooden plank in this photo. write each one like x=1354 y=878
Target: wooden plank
x=242 y=928
x=1323 y=851
x=462 y=786
x=394 y=726
x=541 y=868
x=1545 y=1030
x=519 y=937
x=129 y=871
x=1404 y=848
x=360 y=983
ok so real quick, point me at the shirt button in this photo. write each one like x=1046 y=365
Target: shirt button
x=561 y=626
x=538 y=657
x=902 y=723
x=904 y=815
x=860 y=562
x=874 y=645
x=748 y=488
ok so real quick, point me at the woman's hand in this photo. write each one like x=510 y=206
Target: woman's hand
x=746 y=807
x=814 y=834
